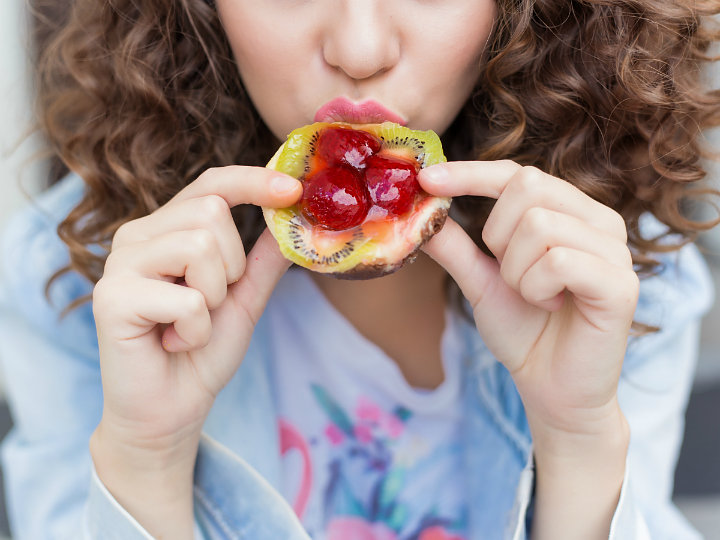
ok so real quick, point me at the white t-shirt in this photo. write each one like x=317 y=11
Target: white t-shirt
x=366 y=456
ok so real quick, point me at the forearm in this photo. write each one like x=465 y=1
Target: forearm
x=578 y=480
x=156 y=488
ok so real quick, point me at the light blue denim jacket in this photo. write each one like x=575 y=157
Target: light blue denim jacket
x=54 y=390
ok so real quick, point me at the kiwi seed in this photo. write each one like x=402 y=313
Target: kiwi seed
x=296 y=230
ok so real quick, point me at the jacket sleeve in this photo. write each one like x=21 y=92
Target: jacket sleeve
x=54 y=391
x=52 y=377
x=654 y=389
x=52 y=384
x=628 y=523
x=656 y=383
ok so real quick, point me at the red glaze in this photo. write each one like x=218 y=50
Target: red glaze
x=341 y=146
x=392 y=183
x=334 y=197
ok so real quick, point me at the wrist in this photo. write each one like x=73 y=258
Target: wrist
x=146 y=444
x=579 y=477
x=112 y=449
x=602 y=434
x=153 y=484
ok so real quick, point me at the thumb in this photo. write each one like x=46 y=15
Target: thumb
x=265 y=266
x=507 y=323
x=472 y=270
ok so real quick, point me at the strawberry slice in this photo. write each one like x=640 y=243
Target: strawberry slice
x=334 y=198
x=342 y=146
x=392 y=183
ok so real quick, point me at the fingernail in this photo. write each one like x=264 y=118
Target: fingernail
x=435 y=175
x=283 y=184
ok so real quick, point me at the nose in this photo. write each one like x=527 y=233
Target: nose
x=362 y=39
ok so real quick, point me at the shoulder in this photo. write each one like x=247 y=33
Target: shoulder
x=680 y=291
x=31 y=252
x=673 y=300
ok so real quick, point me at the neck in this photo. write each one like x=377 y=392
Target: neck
x=403 y=314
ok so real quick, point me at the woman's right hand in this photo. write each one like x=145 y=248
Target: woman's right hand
x=175 y=310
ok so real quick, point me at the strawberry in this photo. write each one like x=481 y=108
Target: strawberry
x=392 y=183
x=335 y=198
x=342 y=146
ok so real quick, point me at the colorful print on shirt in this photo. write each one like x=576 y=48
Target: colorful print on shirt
x=376 y=473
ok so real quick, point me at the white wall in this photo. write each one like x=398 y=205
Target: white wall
x=18 y=170
x=20 y=174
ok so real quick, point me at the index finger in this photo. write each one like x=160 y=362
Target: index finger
x=518 y=188
x=239 y=184
x=480 y=178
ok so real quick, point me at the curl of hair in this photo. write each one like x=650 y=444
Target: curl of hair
x=607 y=94
x=139 y=99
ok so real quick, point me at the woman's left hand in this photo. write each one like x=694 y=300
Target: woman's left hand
x=557 y=305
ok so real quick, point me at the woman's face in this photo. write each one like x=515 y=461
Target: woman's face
x=410 y=61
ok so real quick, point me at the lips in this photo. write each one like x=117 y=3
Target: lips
x=365 y=112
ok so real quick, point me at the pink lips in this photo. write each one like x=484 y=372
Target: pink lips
x=366 y=112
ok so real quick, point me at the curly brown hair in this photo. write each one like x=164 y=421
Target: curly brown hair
x=139 y=100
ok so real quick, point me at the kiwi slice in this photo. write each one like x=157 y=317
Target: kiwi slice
x=390 y=220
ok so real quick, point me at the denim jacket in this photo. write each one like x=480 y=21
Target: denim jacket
x=53 y=385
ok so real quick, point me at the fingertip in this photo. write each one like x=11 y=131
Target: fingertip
x=286 y=188
x=434 y=179
x=234 y=273
x=172 y=342
x=553 y=304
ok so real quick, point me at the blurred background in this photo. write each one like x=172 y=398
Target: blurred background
x=697 y=486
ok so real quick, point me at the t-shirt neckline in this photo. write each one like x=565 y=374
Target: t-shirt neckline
x=368 y=359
